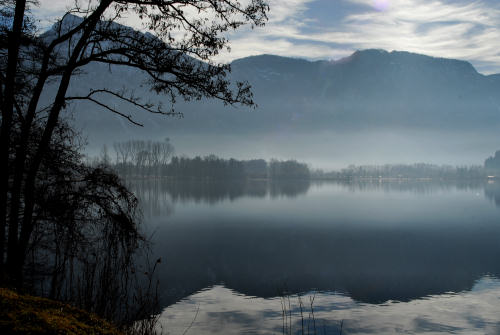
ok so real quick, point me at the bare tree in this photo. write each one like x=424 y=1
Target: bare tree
x=167 y=151
x=121 y=152
x=149 y=156
x=176 y=58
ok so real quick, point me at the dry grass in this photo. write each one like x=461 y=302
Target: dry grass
x=24 y=314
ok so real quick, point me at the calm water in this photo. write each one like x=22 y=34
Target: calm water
x=383 y=258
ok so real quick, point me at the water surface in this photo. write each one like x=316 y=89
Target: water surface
x=378 y=257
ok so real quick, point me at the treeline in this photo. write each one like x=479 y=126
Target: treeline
x=403 y=171
x=154 y=159
x=492 y=163
x=146 y=159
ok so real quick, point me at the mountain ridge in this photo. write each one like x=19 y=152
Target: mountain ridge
x=370 y=91
x=359 y=54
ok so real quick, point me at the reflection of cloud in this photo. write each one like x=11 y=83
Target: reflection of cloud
x=474 y=312
x=423 y=325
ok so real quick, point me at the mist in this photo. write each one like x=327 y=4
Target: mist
x=337 y=149
x=373 y=107
x=143 y=176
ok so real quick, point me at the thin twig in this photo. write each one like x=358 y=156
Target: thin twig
x=192 y=321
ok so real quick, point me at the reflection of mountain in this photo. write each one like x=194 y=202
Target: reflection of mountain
x=371 y=266
x=259 y=251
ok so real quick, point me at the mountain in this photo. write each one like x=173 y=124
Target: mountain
x=367 y=93
x=369 y=88
x=376 y=87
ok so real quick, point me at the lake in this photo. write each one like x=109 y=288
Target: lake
x=375 y=257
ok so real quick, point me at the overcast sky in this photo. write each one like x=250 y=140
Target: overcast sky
x=332 y=29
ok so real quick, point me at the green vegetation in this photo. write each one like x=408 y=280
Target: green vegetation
x=24 y=314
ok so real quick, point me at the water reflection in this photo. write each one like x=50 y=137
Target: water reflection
x=212 y=192
x=424 y=186
x=223 y=311
x=492 y=192
x=154 y=201
x=372 y=241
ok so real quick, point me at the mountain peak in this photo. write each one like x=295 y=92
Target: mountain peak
x=370 y=52
x=269 y=59
x=404 y=59
x=68 y=22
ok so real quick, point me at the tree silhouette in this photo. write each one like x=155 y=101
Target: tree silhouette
x=492 y=163
x=176 y=57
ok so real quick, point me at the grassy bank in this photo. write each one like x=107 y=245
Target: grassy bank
x=24 y=314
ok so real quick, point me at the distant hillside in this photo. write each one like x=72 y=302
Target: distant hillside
x=375 y=87
x=381 y=87
x=371 y=90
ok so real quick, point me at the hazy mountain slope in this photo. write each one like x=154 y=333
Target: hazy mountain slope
x=370 y=87
x=379 y=88
x=369 y=91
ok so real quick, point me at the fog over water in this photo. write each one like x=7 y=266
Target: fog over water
x=381 y=257
x=385 y=257
x=337 y=149
x=373 y=107
x=286 y=235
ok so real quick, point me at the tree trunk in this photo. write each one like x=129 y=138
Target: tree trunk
x=17 y=255
x=21 y=153
x=14 y=39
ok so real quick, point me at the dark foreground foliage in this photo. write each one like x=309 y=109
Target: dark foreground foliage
x=176 y=60
x=70 y=231
x=86 y=247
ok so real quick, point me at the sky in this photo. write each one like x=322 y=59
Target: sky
x=333 y=29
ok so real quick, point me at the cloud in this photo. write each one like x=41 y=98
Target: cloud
x=462 y=30
x=254 y=45
x=468 y=31
x=324 y=29
x=283 y=10
x=49 y=10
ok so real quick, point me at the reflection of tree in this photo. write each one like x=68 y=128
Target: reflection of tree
x=208 y=191
x=156 y=194
x=492 y=192
x=410 y=186
x=153 y=200
x=288 y=189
